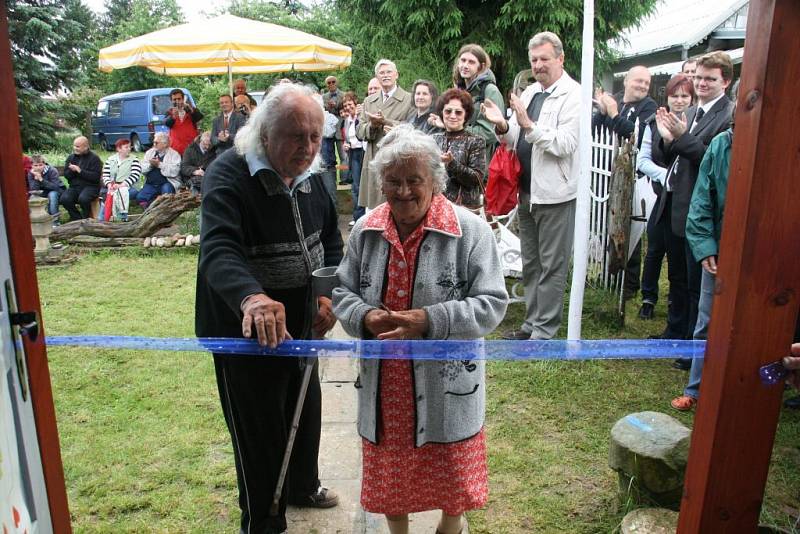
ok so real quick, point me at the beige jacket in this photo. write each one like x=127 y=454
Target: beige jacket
x=554 y=158
x=396 y=110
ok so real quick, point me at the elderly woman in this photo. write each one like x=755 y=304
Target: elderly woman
x=121 y=173
x=463 y=153
x=420 y=267
x=425 y=95
x=196 y=159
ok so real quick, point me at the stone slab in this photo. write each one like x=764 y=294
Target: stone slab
x=346 y=518
x=340 y=452
x=338 y=369
x=650 y=521
x=339 y=402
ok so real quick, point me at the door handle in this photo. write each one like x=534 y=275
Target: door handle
x=27 y=324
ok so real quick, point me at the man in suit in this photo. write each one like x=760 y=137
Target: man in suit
x=225 y=125
x=382 y=111
x=684 y=143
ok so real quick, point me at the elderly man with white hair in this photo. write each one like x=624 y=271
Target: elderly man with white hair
x=161 y=168
x=267 y=223
x=381 y=112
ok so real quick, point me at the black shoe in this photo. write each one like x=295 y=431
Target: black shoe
x=516 y=335
x=792 y=403
x=684 y=364
x=322 y=498
x=647 y=311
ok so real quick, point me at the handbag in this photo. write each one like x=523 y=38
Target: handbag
x=504 y=172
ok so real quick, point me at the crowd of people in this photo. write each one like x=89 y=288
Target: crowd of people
x=177 y=160
x=421 y=262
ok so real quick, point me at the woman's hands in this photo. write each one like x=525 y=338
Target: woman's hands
x=436 y=121
x=387 y=324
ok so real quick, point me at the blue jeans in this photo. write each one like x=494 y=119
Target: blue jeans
x=356 y=160
x=329 y=152
x=150 y=192
x=701 y=332
x=52 y=201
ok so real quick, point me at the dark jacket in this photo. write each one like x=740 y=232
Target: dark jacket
x=193 y=159
x=684 y=156
x=625 y=121
x=91 y=169
x=420 y=122
x=467 y=171
x=50 y=181
x=235 y=122
x=255 y=238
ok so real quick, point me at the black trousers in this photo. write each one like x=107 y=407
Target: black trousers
x=653 y=259
x=79 y=194
x=258 y=396
x=684 y=279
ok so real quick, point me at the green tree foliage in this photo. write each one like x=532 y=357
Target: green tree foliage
x=423 y=36
x=47 y=43
x=125 y=19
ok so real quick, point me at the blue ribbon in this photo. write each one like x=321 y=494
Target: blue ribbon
x=603 y=349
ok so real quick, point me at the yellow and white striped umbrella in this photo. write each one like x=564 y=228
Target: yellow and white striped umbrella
x=223 y=45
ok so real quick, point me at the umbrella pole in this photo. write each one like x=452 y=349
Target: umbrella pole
x=230 y=75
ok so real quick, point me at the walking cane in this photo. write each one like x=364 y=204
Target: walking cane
x=322 y=283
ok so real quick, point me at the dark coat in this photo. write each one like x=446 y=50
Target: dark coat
x=235 y=122
x=91 y=169
x=687 y=152
x=193 y=159
x=625 y=121
x=466 y=173
x=50 y=181
x=257 y=238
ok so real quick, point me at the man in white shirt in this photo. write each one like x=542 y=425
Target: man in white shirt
x=544 y=131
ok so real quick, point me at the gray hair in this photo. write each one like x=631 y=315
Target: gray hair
x=547 y=37
x=404 y=143
x=164 y=136
x=250 y=139
x=384 y=62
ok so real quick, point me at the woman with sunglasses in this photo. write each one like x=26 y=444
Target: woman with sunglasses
x=463 y=153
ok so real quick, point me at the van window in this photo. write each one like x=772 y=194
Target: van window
x=115 y=109
x=134 y=107
x=102 y=108
x=161 y=103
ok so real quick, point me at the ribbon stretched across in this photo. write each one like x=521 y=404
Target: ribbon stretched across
x=627 y=349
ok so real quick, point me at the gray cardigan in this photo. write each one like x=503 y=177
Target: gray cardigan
x=459 y=283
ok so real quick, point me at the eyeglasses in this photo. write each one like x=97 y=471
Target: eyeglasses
x=453 y=111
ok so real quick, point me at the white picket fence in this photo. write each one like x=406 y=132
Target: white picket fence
x=605 y=147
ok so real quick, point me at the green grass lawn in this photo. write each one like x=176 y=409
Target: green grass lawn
x=145 y=447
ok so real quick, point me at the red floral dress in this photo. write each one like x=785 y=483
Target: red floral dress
x=398 y=477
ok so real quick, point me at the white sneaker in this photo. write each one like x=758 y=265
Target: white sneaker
x=351 y=224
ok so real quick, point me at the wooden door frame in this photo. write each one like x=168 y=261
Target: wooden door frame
x=23 y=267
x=757 y=287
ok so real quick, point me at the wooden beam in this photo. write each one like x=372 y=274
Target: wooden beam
x=18 y=230
x=758 y=286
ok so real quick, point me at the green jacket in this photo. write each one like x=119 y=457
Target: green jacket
x=704 y=223
x=485 y=83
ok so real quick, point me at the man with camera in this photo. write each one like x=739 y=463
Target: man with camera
x=181 y=119
x=243 y=105
x=225 y=125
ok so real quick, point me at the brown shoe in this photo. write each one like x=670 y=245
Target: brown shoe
x=322 y=498
x=684 y=403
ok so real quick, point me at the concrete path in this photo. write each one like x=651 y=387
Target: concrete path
x=340 y=456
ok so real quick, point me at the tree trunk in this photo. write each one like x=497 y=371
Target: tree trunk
x=161 y=213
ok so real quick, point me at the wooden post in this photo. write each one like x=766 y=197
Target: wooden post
x=18 y=229
x=758 y=286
